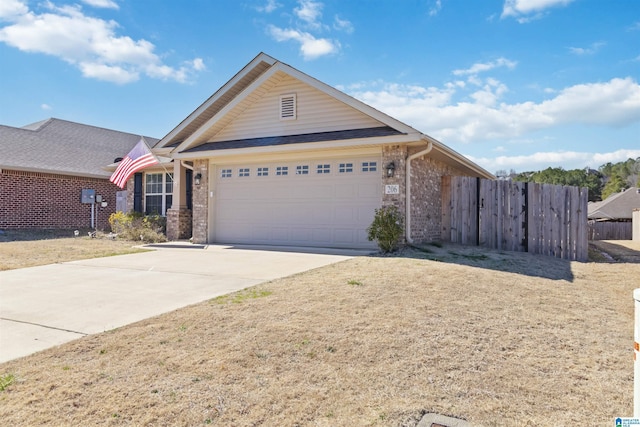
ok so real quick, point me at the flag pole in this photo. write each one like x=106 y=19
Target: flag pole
x=156 y=157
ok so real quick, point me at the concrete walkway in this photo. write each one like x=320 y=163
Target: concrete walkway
x=41 y=307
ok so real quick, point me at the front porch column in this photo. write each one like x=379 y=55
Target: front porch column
x=201 y=202
x=178 y=216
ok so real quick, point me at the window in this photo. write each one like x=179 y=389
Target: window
x=324 y=168
x=158 y=193
x=345 y=167
x=282 y=170
x=263 y=171
x=243 y=172
x=369 y=166
x=226 y=173
x=288 y=107
x=302 y=170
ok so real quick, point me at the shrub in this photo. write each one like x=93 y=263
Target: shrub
x=386 y=228
x=136 y=226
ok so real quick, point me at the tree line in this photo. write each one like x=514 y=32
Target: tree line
x=608 y=179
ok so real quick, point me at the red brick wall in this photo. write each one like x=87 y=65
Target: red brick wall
x=46 y=201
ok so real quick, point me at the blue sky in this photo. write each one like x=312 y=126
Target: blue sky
x=512 y=84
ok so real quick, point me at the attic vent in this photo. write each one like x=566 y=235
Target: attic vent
x=288 y=107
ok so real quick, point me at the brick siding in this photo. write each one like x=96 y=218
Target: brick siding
x=31 y=200
x=426 y=196
x=201 y=202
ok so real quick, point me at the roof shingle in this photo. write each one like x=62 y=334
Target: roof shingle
x=64 y=147
x=297 y=139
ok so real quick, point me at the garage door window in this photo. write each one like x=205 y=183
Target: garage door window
x=263 y=171
x=324 y=168
x=158 y=193
x=282 y=170
x=243 y=172
x=369 y=166
x=226 y=173
x=302 y=170
x=345 y=168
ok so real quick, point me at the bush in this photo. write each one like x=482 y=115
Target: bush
x=386 y=228
x=135 y=226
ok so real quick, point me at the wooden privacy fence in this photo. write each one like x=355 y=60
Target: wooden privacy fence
x=516 y=216
x=606 y=230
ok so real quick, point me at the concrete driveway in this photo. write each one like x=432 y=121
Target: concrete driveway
x=41 y=307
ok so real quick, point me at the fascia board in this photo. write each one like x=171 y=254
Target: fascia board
x=459 y=158
x=262 y=57
x=308 y=146
x=54 y=172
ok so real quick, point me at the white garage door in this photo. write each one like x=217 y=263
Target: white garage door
x=324 y=203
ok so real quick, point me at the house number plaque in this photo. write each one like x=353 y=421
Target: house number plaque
x=392 y=189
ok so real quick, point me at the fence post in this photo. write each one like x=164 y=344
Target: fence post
x=636 y=353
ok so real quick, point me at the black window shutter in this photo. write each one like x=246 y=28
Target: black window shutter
x=189 y=189
x=137 y=192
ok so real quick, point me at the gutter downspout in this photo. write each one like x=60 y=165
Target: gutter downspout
x=407 y=217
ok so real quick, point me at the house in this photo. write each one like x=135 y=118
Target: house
x=280 y=158
x=44 y=168
x=617 y=207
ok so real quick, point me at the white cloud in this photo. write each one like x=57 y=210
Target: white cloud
x=46 y=107
x=9 y=9
x=310 y=12
x=198 y=64
x=480 y=115
x=435 y=9
x=269 y=7
x=310 y=47
x=480 y=67
x=109 y=73
x=527 y=10
x=342 y=25
x=587 y=50
x=306 y=28
x=106 y=4
x=89 y=43
x=565 y=159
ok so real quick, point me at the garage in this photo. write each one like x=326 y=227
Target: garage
x=318 y=203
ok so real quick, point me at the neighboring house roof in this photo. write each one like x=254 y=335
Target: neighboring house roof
x=64 y=147
x=198 y=135
x=617 y=206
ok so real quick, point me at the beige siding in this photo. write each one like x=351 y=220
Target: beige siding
x=316 y=112
x=636 y=225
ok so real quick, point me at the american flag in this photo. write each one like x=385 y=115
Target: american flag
x=138 y=158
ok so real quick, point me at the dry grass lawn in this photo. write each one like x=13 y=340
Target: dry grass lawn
x=495 y=338
x=20 y=249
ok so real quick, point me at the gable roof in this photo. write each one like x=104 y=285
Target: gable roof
x=195 y=134
x=617 y=206
x=64 y=147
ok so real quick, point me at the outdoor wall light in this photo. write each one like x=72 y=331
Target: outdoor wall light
x=197 y=178
x=391 y=168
